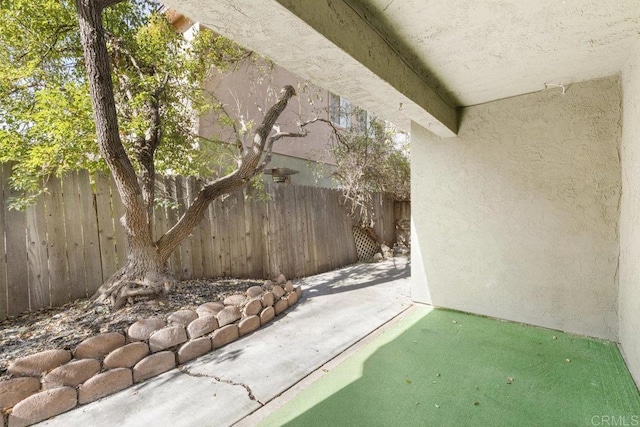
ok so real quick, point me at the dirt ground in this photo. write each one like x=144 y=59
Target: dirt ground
x=66 y=326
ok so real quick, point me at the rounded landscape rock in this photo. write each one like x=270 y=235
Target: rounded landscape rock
x=278 y=292
x=72 y=374
x=14 y=390
x=252 y=308
x=281 y=305
x=99 y=346
x=224 y=336
x=266 y=315
x=39 y=363
x=153 y=365
x=194 y=348
x=202 y=326
x=142 y=329
x=210 y=308
x=229 y=315
x=248 y=325
x=167 y=337
x=43 y=405
x=292 y=298
x=104 y=384
x=127 y=356
x=254 y=291
x=268 y=299
x=182 y=317
x=237 y=299
x=288 y=287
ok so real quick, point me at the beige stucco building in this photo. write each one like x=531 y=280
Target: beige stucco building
x=250 y=88
x=525 y=130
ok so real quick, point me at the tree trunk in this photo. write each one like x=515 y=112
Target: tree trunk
x=145 y=275
x=146 y=272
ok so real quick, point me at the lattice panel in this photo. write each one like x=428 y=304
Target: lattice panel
x=366 y=247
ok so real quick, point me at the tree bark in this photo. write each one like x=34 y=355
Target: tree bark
x=146 y=272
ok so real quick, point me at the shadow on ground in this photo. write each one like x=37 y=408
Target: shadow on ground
x=448 y=368
x=356 y=277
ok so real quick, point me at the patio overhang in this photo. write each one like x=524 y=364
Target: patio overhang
x=333 y=46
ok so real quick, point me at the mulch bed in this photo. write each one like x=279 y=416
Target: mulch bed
x=66 y=326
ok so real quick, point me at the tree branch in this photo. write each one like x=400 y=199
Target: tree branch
x=108 y=3
x=247 y=169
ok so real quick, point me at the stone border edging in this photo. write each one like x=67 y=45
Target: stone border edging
x=51 y=382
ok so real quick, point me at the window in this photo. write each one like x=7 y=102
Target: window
x=339 y=111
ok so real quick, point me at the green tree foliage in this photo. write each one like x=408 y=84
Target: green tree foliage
x=46 y=120
x=371 y=158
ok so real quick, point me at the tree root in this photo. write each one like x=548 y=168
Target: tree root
x=125 y=286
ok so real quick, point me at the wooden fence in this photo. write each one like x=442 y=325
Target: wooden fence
x=66 y=244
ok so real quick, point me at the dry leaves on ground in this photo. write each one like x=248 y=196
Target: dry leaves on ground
x=66 y=326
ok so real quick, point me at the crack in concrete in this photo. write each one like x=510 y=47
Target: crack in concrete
x=221 y=380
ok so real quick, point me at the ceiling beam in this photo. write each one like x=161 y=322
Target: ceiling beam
x=331 y=45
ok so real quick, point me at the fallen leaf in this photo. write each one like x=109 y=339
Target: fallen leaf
x=407 y=381
x=476 y=403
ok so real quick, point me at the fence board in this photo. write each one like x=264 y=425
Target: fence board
x=239 y=253
x=4 y=307
x=73 y=236
x=264 y=228
x=106 y=232
x=197 y=269
x=216 y=241
x=37 y=264
x=206 y=237
x=122 y=249
x=248 y=235
x=58 y=272
x=90 y=237
x=159 y=211
x=301 y=197
x=310 y=208
x=68 y=242
x=293 y=239
x=16 y=253
x=186 y=270
x=175 y=260
x=274 y=236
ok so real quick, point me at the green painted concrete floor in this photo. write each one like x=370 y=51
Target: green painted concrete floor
x=439 y=367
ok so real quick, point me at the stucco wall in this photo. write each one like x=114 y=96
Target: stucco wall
x=309 y=173
x=629 y=307
x=517 y=216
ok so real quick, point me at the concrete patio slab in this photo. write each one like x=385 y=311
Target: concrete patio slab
x=337 y=310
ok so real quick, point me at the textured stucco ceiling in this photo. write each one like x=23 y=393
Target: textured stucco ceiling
x=473 y=51
x=418 y=60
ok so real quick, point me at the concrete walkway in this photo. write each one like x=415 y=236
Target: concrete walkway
x=337 y=310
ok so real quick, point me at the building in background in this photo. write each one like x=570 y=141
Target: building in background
x=249 y=90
